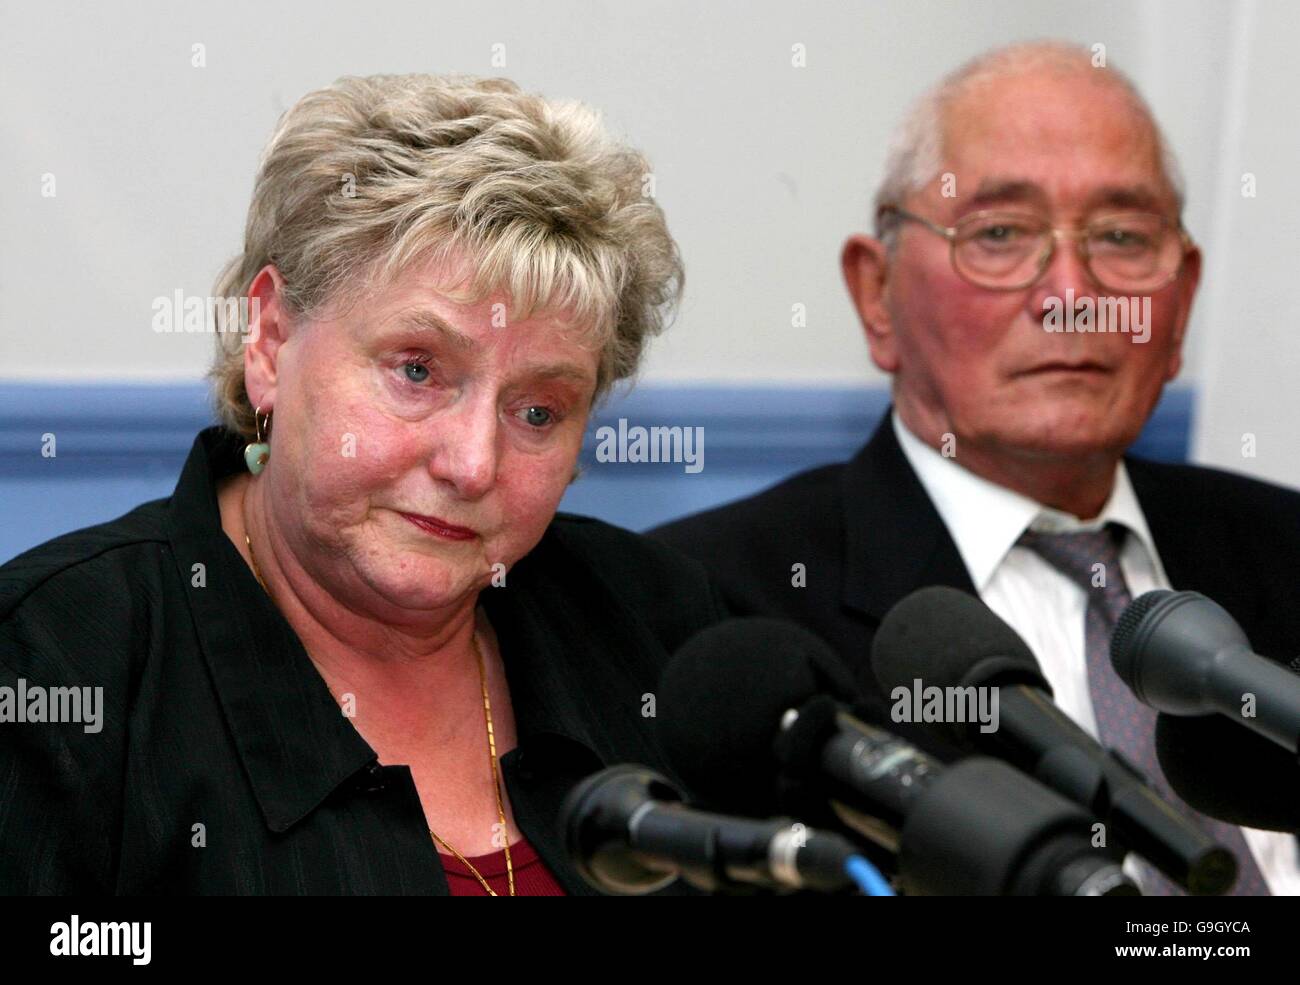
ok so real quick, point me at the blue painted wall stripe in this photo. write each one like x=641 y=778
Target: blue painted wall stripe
x=119 y=444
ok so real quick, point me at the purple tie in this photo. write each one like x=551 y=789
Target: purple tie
x=1090 y=559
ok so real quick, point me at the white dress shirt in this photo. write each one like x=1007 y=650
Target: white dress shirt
x=1044 y=606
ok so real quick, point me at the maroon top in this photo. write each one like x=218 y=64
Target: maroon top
x=532 y=877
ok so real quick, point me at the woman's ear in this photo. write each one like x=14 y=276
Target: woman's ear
x=864 y=262
x=268 y=327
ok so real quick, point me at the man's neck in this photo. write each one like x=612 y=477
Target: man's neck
x=1079 y=485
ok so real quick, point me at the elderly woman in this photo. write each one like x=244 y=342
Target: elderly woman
x=357 y=650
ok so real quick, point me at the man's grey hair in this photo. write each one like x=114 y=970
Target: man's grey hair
x=916 y=150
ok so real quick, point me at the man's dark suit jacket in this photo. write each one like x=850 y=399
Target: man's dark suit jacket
x=869 y=535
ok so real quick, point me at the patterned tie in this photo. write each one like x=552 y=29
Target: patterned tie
x=1091 y=560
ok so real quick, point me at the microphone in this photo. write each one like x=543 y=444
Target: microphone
x=629 y=832
x=743 y=720
x=727 y=713
x=1183 y=654
x=1229 y=773
x=950 y=639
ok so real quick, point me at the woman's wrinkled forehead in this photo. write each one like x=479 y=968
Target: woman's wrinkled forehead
x=423 y=292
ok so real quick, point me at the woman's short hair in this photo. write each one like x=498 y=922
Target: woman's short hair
x=368 y=176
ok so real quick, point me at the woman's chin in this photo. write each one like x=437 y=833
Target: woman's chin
x=425 y=587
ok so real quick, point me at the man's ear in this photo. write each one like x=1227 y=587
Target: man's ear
x=268 y=328
x=864 y=262
x=1188 y=279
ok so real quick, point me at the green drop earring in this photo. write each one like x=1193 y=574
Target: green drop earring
x=257 y=452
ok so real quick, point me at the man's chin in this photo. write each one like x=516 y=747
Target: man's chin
x=1067 y=438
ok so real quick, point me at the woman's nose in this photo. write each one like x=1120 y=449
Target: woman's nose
x=467 y=453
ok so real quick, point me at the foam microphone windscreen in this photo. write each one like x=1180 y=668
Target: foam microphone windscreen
x=948 y=638
x=720 y=702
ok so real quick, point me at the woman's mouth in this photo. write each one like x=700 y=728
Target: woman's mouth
x=440 y=528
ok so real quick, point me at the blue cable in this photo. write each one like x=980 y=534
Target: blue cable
x=868 y=877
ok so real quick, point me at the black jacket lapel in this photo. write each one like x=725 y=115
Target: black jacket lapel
x=894 y=539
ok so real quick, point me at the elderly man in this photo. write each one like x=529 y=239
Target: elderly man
x=1028 y=290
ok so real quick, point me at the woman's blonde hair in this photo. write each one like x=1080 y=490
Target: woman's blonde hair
x=370 y=175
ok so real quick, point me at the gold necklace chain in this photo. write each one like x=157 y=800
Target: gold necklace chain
x=492 y=755
x=496 y=784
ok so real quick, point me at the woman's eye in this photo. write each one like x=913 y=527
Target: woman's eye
x=416 y=372
x=538 y=417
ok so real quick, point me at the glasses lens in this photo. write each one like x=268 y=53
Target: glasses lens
x=1000 y=249
x=1133 y=252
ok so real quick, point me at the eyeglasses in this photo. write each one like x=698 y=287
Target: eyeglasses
x=1125 y=253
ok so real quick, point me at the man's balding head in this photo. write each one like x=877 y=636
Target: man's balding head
x=916 y=154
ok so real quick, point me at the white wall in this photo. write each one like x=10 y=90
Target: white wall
x=763 y=168
x=1250 y=358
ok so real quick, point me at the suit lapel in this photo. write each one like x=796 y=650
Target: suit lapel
x=1195 y=543
x=894 y=539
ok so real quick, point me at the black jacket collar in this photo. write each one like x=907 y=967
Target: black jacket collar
x=294 y=743
x=1195 y=538
x=894 y=539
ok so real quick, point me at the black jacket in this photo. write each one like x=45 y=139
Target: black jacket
x=869 y=535
x=214 y=715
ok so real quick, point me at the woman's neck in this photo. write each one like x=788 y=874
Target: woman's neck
x=355 y=652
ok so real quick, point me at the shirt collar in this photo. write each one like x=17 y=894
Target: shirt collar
x=985 y=519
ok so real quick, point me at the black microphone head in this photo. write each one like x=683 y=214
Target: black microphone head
x=1228 y=772
x=948 y=638
x=721 y=700
x=594 y=820
x=1121 y=640
x=1159 y=640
